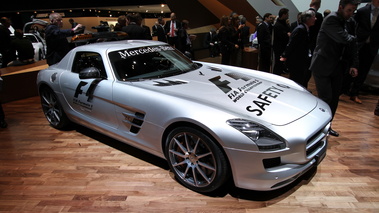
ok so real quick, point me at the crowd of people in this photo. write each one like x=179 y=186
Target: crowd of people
x=337 y=48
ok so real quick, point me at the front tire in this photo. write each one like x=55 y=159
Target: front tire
x=52 y=109
x=195 y=159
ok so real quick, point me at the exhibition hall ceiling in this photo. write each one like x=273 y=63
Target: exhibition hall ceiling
x=151 y=6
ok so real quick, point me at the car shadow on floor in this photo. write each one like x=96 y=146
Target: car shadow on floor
x=228 y=188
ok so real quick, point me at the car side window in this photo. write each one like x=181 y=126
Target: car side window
x=88 y=59
x=32 y=38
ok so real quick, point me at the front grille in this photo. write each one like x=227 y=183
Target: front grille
x=316 y=142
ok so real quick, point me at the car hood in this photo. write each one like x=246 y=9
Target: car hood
x=245 y=93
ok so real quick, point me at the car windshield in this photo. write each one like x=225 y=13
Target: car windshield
x=149 y=63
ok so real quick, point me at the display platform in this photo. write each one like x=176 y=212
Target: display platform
x=20 y=81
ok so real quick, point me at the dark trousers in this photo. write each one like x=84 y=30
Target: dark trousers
x=366 y=57
x=264 y=58
x=173 y=41
x=299 y=71
x=279 y=66
x=329 y=88
x=2 y=115
x=226 y=54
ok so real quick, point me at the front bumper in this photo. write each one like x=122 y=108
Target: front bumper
x=251 y=172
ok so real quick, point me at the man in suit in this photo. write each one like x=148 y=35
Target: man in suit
x=264 y=33
x=295 y=23
x=297 y=53
x=121 y=22
x=134 y=28
x=211 y=42
x=313 y=30
x=368 y=43
x=5 y=41
x=327 y=63
x=158 y=30
x=56 y=39
x=281 y=38
x=171 y=28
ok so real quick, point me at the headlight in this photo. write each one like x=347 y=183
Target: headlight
x=265 y=139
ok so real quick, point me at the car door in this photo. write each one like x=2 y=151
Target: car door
x=90 y=99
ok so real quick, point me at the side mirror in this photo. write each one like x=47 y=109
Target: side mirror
x=89 y=72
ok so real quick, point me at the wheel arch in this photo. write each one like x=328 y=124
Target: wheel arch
x=43 y=85
x=194 y=126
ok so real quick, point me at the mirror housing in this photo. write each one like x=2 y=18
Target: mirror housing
x=89 y=72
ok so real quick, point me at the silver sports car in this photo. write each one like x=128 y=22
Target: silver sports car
x=209 y=121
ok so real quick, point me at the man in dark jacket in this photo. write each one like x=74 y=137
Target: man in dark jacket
x=5 y=41
x=171 y=29
x=313 y=30
x=56 y=39
x=264 y=31
x=297 y=54
x=328 y=65
x=24 y=48
x=281 y=37
x=368 y=43
x=134 y=28
x=158 y=30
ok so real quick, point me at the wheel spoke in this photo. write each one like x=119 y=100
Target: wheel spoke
x=204 y=155
x=184 y=150
x=188 y=144
x=177 y=153
x=196 y=145
x=180 y=163
x=196 y=183
x=45 y=100
x=207 y=166
x=56 y=115
x=186 y=171
x=205 y=177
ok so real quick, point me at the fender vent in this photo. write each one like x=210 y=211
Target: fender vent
x=133 y=121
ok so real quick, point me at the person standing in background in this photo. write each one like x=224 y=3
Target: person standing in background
x=367 y=33
x=224 y=34
x=281 y=38
x=211 y=42
x=121 y=22
x=264 y=31
x=313 y=30
x=297 y=54
x=5 y=41
x=158 y=30
x=134 y=28
x=24 y=48
x=171 y=28
x=328 y=64
x=56 y=39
